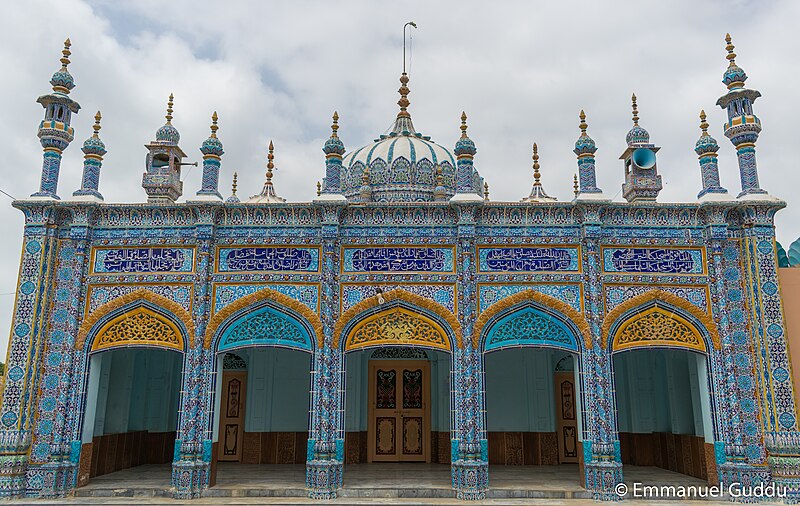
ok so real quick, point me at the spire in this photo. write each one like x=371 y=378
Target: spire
x=334 y=147
x=537 y=193
x=169 y=109
x=319 y=188
x=575 y=188
x=731 y=56
x=439 y=193
x=233 y=199
x=168 y=133
x=365 y=192
x=62 y=80
x=214 y=126
x=637 y=134
x=268 y=194
x=335 y=125
x=583 y=126
x=93 y=151
x=465 y=148
x=403 y=124
x=734 y=76
x=486 y=191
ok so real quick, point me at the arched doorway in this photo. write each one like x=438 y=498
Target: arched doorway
x=532 y=346
x=663 y=387
x=264 y=345
x=133 y=349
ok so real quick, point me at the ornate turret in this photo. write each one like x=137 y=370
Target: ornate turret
x=268 y=195
x=465 y=173
x=162 y=180
x=334 y=150
x=55 y=132
x=742 y=127
x=706 y=149
x=212 y=159
x=537 y=192
x=642 y=182
x=93 y=151
x=585 y=149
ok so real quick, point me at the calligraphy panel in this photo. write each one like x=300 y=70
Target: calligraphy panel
x=617 y=294
x=528 y=259
x=399 y=259
x=654 y=260
x=268 y=258
x=144 y=259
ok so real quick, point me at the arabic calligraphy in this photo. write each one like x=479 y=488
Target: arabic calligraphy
x=528 y=259
x=269 y=259
x=653 y=260
x=398 y=259
x=123 y=260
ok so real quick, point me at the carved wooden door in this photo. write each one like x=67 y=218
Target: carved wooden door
x=399 y=417
x=231 y=417
x=566 y=414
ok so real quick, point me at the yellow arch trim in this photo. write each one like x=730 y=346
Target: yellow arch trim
x=129 y=298
x=141 y=325
x=549 y=301
x=670 y=299
x=391 y=295
x=264 y=294
x=439 y=340
x=658 y=312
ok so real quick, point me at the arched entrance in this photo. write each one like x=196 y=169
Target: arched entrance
x=398 y=386
x=133 y=350
x=264 y=345
x=661 y=354
x=532 y=346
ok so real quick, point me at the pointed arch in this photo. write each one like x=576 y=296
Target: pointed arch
x=398 y=295
x=661 y=308
x=265 y=294
x=146 y=319
x=531 y=296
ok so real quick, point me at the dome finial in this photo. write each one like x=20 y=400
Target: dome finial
x=575 y=187
x=536 y=174
x=270 y=164
x=583 y=126
x=65 y=53
x=214 y=126
x=731 y=56
x=485 y=191
x=635 y=110
x=335 y=125
x=96 y=127
x=463 y=125
x=233 y=185
x=319 y=188
x=537 y=192
x=169 y=109
x=703 y=123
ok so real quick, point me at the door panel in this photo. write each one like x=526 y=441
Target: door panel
x=399 y=416
x=231 y=422
x=566 y=406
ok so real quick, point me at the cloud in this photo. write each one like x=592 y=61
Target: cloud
x=277 y=70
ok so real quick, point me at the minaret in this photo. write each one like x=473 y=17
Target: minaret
x=365 y=192
x=465 y=154
x=706 y=149
x=642 y=182
x=537 y=192
x=233 y=199
x=93 y=151
x=743 y=126
x=212 y=159
x=268 y=195
x=585 y=148
x=334 y=150
x=162 y=181
x=55 y=132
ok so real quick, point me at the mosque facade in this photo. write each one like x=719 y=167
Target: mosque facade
x=400 y=316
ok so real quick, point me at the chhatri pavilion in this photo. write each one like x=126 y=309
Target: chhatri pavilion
x=400 y=316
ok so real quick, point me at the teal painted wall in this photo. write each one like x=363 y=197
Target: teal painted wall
x=662 y=390
x=132 y=389
x=520 y=395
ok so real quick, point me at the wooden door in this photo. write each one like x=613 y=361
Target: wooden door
x=399 y=411
x=566 y=414
x=231 y=418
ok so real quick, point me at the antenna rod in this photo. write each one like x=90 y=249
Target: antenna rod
x=411 y=23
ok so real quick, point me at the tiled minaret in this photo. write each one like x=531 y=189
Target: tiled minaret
x=585 y=148
x=742 y=127
x=212 y=160
x=706 y=149
x=162 y=181
x=334 y=150
x=642 y=181
x=55 y=132
x=93 y=151
x=465 y=155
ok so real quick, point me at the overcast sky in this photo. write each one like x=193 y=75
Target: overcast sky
x=276 y=70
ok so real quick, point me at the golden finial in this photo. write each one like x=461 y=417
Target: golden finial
x=214 y=126
x=169 y=109
x=463 y=125
x=65 y=54
x=270 y=164
x=485 y=191
x=96 y=127
x=536 y=174
x=703 y=123
x=635 y=110
x=365 y=176
x=233 y=186
x=404 y=91
x=575 y=188
x=319 y=188
x=731 y=55
x=335 y=125
x=583 y=124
